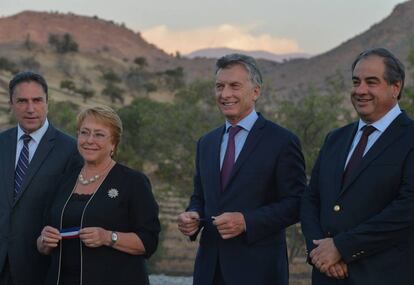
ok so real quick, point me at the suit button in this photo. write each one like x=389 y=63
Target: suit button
x=337 y=208
x=362 y=252
x=329 y=234
x=354 y=256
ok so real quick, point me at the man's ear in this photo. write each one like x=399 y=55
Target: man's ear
x=396 y=88
x=256 y=92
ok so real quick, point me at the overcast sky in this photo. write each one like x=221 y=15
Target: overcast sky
x=279 y=26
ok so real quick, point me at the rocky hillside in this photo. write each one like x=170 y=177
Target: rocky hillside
x=93 y=35
x=110 y=54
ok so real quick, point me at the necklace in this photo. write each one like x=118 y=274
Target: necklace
x=87 y=181
x=84 y=181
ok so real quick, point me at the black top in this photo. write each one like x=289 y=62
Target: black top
x=71 y=246
x=124 y=203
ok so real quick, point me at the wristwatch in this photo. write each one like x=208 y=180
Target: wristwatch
x=114 y=238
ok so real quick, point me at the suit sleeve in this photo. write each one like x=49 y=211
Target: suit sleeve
x=74 y=161
x=197 y=198
x=310 y=207
x=143 y=214
x=393 y=224
x=290 y=181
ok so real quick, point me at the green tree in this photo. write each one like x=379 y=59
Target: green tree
x=68 y=85
x=8 y=65
x=313 y=116
x=63 y=115
x=111 y=89
x=114 y=92
x=164 y=135
x=174 y=78
x=141 y=62
x=407 y=99
x=86 y=93
x=63 y=43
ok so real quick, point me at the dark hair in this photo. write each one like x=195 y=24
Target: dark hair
x=247 y=61
x=27 y=76
x=394 y=69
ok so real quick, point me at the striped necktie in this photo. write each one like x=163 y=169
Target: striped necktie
x=22 y=164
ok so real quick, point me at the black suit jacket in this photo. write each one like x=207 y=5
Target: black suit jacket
x=373 y=221
x=133 y=209
x=265 y=185
x=21 y=219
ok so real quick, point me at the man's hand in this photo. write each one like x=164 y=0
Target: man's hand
x=325 y=254
x=230 y=225
x=338 y=270
x=188 y=223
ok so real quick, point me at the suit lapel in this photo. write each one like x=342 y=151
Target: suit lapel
x=10 y=165
x=343 y=150
x=46 y=144
x=215 y=155
x=392 y=133
x=252 y=139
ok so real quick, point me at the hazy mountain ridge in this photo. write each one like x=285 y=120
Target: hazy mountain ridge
x=107 y=44
x=258 y=54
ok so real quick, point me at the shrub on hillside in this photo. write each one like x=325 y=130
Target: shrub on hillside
x=63 y=43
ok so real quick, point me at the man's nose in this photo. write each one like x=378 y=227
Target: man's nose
x=30 y=107
x=361 y=88
x=226 y=92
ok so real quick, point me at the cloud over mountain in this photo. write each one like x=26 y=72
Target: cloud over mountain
x=225 y=35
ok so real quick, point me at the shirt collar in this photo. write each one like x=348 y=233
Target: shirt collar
x=383 y=123
x=36 y=135
x=247 y=122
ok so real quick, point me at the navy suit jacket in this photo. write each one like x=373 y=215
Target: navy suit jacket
x=21 y=219
x=373 y=222
x=266 y=183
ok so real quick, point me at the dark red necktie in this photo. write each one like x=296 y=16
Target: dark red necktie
x=228 y=161
x=358 y=153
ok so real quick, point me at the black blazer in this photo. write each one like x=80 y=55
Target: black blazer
x=373 y=223
x=266 y=184
x=133 y=209
x=21 y=219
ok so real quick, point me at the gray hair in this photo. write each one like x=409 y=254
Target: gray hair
x=247 y=61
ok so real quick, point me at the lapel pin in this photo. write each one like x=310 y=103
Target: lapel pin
x=113 y=193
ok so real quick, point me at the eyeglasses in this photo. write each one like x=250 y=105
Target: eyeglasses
x=97 y=136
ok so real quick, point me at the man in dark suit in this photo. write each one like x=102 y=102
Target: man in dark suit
x=248 y=182
x=358 y=213
x=33 y=156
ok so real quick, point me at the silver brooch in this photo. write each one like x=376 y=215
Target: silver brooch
x=113 y=193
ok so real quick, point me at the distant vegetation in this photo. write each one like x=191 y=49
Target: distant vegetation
x=8 y=65
x=63 y=43
x=161 y=137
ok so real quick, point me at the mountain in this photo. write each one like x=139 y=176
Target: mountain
x=258 y=54
x=395 y=33
x=93 y=35
x=105 y=45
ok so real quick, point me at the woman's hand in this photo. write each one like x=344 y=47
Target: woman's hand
x=95 y=237
x=49 y=239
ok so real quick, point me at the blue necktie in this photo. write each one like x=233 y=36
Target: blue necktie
x=22 y=164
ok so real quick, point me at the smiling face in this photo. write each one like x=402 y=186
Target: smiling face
x=235 y=93
x=29 y=106
x=371 y=94
x=95 y=142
